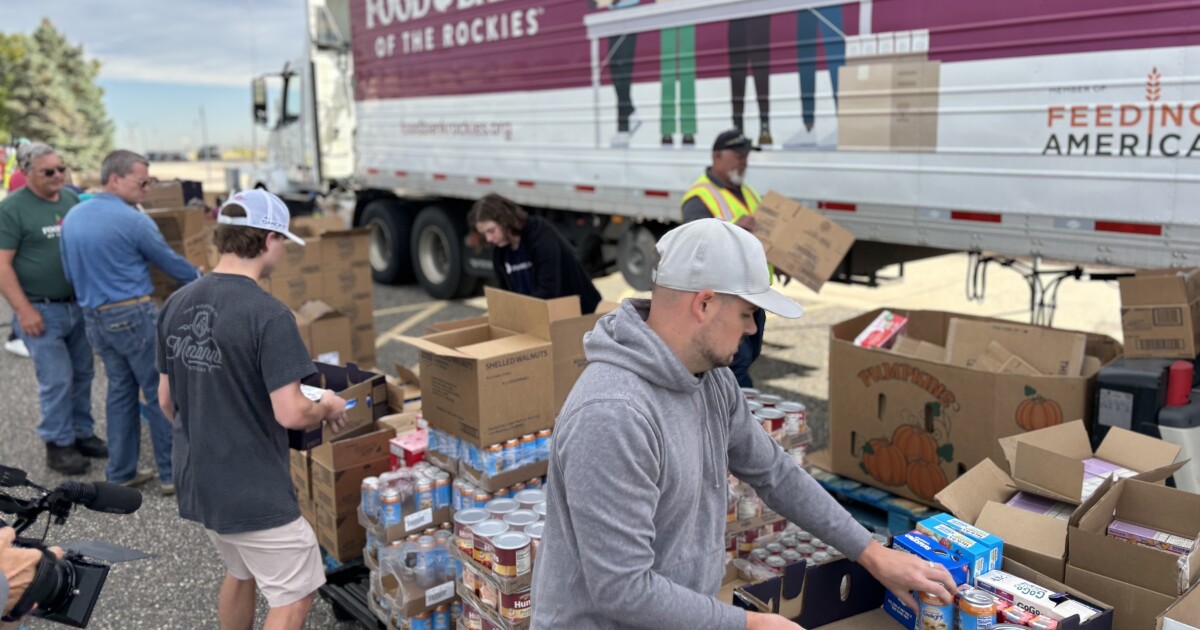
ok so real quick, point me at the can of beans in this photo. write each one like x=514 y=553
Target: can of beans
x=791 y=555
x=818 y=544
x=795 y=416
x=470 y=581
x=774 y=549
x=516 y=607
x=806 y=550
x=511 y=554
x=771 y=415
x=489 y=595
x=820 y=557
x=473 y=617
x=750 y=393
x=482 y=535
x=520 y=519
x=753 y=405
x=463 y=522
x=529 y=498
x=759 y=555
x=540 y=510
x=499 y=508
x=776 y=564
x=769 y=400
x=535 y=537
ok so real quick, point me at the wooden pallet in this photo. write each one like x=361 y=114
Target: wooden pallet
x=878 y=510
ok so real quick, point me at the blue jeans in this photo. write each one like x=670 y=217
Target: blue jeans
x=62 y=360
x=125 y=339
x=810 y=27
x=749 y=350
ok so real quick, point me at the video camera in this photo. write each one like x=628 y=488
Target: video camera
x=64 y=590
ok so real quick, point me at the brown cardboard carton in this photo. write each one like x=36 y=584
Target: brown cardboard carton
x=1160 y=313
x=1034 y=540
x=1049 y=462
x=317 y=224
x=410 y=598
x=339 y=492
x=505 y=479
x=346 y=249
x=888 y=106
x=348 y=281
x=1049 y=351
x=1154 y=506
x=910 y=426
x=301 y=473
x=401 y=423
x=362 y=343
x=413 y=522
x=486 y=383
x=163 y=195
x=1134 y=608
x=344 y=452
x=326 y=332
x=177 y=223
x=404 y=390
x=340 y=535
x=1184 y=614
x=566 y=339
x=799 y=241
x=294 y=291
x=917 y=349
x=455 y=324
x=996 y=358
x=308 y=510
x=301 y=260
x=365 y=394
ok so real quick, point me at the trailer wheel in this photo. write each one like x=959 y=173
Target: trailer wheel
x=438 y=256
x=636 y=257
x=391 y=227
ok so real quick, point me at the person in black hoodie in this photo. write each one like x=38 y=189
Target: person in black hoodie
x=529 y=256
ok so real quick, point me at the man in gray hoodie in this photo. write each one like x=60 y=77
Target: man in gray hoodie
x=635 y=529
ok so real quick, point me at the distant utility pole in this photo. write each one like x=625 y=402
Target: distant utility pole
x=204 y=146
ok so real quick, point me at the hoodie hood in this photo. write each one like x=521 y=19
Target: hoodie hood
x=623 y=339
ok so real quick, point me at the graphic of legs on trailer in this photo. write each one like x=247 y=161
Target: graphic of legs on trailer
x=678 y=66
x=621 y=51
x=813 y=25
x=750 y=45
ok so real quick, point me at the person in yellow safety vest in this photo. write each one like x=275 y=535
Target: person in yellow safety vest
x=723 y=193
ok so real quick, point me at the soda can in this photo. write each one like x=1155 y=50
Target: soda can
x=512 y=456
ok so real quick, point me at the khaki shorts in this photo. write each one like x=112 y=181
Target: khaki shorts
x=285 y=561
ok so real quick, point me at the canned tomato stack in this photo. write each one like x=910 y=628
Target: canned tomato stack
x=786 y=421
x=497 y=545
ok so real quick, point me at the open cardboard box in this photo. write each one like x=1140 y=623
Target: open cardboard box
x=365 y=394
x=1184 y=614
x=1150 y=505
x=404 y=390
x=1034 y=540
x=325 y=332
x=1049 y=462
x=911 y=425
x=1050 y=351
x=506 y=479
x=842 y=595
x=1134 y=608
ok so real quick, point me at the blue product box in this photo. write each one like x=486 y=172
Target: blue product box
x=983 y=552
x=926 y=548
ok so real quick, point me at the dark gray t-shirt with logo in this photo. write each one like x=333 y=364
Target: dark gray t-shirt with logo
x=225 y=344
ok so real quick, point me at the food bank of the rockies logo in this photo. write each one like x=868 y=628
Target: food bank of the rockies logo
x=476 y=29
x=1154 y=128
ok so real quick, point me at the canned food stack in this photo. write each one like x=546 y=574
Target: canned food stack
x=464 y=495
x=413 y=588
x=497 y=545
x=768 y=556
x=386 y=499
x=786 y=421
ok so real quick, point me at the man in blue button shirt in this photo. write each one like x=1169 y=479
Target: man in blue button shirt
x=107 y=248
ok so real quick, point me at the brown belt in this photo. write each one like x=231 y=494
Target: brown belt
x=129 y=302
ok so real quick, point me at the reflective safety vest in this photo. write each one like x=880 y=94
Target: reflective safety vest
x=725 y=205
x=721 y=202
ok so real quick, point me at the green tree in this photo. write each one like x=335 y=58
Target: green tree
x=12 y=49
x=53 y=97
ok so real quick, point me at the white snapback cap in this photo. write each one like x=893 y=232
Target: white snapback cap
x=264 y=211
x=719 y=256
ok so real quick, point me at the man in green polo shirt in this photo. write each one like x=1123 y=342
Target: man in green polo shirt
x=46 y=316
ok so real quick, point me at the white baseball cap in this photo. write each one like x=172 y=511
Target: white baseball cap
x=264 y=211
x=720 y=256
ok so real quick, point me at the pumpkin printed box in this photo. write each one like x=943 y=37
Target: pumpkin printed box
x=913 y=425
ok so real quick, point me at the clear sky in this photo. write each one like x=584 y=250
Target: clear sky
x=162 y=61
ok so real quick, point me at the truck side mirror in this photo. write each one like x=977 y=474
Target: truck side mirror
x=258 y=89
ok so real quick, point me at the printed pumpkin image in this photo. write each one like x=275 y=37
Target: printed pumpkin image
x=1037 y=412
x=913 y=455
x=885 y=462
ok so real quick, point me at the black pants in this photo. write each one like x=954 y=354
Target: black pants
x=750 y=44
x=621 y=52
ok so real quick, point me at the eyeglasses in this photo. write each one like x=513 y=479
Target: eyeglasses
x=49 y=172
x=144 y=184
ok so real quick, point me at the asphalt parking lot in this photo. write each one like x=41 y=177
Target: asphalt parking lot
x=177 y=586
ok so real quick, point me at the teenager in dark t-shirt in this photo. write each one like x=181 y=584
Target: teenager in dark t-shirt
x=230 y=360
x=529 y=256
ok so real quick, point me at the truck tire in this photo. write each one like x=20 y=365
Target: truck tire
x=636 y=257
x=438 y=240
x=391 y=230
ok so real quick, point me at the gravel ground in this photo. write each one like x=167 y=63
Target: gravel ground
x=177 y=587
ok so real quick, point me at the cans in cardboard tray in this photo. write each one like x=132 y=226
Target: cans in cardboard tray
x=516 y=607
x=511 y=556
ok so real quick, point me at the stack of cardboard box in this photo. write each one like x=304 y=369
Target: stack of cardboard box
x=912 y=419
x=189 y=232
x=888 y=93
x=328 y=479
x=1160 y=314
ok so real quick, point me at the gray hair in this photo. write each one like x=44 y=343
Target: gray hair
x=120 y=163
x=27 y=154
